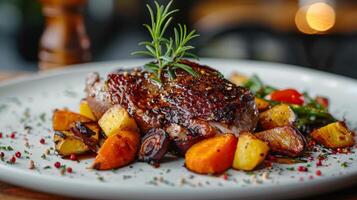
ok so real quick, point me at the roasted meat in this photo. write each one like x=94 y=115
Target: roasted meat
x=187 y=108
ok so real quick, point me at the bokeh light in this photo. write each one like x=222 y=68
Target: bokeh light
x=320 y=16
x=315 y=18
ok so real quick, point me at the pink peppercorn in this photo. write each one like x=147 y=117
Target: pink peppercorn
x=42 y=141
x=318 y=173
x=319 y=163
x=13 y=159
x=18 y=154
x=69 y=170
x=73 y=157
x=302 y=169
x=57 y=164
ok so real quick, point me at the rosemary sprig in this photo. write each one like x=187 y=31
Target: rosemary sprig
x=167 y=52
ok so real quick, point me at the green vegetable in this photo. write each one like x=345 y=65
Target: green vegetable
x=310 y=102
x=255 y=85
x=309 y=118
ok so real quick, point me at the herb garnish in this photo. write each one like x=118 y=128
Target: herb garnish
x=167 y=52
x=6 y=148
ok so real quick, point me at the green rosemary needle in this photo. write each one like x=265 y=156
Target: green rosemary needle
x=167 y=52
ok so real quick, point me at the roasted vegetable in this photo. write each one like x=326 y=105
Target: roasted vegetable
x=213 y=155
x=117 y=119
x=66 y=144
x=262 y=104
x=238 y=79
x=311 y=117
x=75 y=141
x=289 y=96
x=334 y=135
x=285 y=140
x=63 y=119
x=255 y=85
x=85 y=110
x=250 y=152
x=118 y=150
x=323 y=101
x=154 y=146
x=279 y=115
x=88 y=133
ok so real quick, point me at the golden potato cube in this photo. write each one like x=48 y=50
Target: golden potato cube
x=117 y=119
x=285 y=140
x=334 y=135
x=262 y=104
x=62 y=120
x=66 y=144
x=278 y=116
x=250 y=152
x=85 y=110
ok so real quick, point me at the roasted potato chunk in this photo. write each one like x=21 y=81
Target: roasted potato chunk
x=85 y=110
x=250 y=152
x=334 y=135
x=285 y=140
x=69 y=142
x=66 y=144
x=88 y=133
x=238 y=79
x=117 y=119
x=279 y=115
x=63 y=119
x=262 y=104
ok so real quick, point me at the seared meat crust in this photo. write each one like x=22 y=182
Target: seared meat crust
x=188 y=108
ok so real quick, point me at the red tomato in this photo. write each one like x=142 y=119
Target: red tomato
x=322 y=101
x=290 y=96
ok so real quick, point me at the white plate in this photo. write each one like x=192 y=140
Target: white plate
x=31 y=101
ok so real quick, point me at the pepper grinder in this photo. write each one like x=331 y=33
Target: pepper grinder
x=64 y=40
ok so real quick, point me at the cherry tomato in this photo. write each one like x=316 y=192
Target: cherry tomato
x=290 y=96
x=322 y=101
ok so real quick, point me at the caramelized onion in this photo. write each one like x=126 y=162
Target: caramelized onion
x=154 y=146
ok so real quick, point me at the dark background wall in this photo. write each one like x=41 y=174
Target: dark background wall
x=240 y=29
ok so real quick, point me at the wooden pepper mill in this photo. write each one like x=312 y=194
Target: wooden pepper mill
x=64 y=40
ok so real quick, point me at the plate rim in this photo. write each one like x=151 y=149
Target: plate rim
x=5 y=171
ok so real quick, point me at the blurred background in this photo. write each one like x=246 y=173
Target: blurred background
x=320 y=34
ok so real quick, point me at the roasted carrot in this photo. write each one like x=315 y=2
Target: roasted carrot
x=118 y=150
x=213 y=155
x=63 y=119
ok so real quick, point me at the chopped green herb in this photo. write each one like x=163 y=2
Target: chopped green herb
x=290 y=168
x=43 y=117
x=6 y=148
x=344 y=164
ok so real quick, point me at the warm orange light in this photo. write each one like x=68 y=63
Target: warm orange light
x=320 y=16
x=301 y=23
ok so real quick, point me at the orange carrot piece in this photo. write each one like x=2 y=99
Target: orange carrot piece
x=118 y=150
x=213 y=155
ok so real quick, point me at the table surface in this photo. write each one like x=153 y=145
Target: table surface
x=12 y=192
